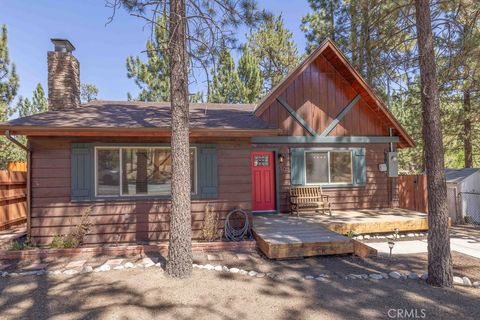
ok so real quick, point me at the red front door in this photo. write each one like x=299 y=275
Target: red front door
x=263 y=181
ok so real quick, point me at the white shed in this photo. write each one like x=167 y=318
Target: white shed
x=463 y=194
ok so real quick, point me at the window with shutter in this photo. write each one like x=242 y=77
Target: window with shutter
x=328 y=166
x=107 y=171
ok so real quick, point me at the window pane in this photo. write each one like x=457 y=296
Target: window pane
x=148 y=171
x=341 y=167
x=260 y=161
x=108 y=172
x=316 y=167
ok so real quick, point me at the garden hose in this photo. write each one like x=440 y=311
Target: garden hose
x=237 y=234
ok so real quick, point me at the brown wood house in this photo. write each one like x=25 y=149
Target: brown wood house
x=322 y=125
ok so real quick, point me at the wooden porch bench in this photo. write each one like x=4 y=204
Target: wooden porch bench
x=309 y=197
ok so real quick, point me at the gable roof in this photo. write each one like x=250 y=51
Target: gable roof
x=135 y=115
x=331 y=52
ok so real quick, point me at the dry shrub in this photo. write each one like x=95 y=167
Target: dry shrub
x=210 y=221
x=75 y=238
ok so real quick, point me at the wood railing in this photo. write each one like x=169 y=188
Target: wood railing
x=13 y=198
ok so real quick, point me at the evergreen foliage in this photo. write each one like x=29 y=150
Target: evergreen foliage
x=226 y=86
x=88 y=92
x=153 y=76
x=39 y=103
x=379 y=38
x=9 y=83
x=273 y=46
x=250 y=75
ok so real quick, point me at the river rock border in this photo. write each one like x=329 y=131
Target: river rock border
x=323 y=277
x=403 y=236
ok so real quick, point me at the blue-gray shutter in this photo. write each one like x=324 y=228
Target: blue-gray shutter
x=297 y=165
x=207 y=167
x=81 y=171
x=359 y=167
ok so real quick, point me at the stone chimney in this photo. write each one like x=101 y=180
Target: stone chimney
x=63 y=77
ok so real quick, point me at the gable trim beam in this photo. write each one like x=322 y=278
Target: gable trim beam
x=340 y=116
x=319 y=139
x=296 y=116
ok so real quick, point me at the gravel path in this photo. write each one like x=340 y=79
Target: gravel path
x=148 y=293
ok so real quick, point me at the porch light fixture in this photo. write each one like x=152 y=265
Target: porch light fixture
x=280 y=158
x=390 y=245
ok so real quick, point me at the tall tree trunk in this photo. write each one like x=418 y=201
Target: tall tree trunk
x=467 y=129
x=439 y=257
x=332 y=21
x=363 y=61
x=353 y=32
x=368 y=43
x=180 y=247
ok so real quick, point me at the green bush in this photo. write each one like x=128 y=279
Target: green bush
x=61 y=241
x=15 y=245
x=20 y=245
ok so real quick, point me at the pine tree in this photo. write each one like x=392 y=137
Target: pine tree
x=9 y=83
x=88 y=92
x=405 y=106
x=378 y=41
x=459 y=71
x=439 y=257
x=8 y=75
x=323 y=22
x=196 y=29
x=226 y=86
x=273 y=46
x=153 y=76
x=38 y=104
x=250 y=75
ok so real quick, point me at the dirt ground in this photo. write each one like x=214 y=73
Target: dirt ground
x=148 y=293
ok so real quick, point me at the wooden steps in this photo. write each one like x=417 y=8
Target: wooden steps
x=282 y=237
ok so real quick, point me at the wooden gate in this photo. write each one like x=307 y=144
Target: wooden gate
x=13 y=198
x=412 y=192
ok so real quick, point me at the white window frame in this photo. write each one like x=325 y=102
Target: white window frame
x=329 y=183
x=120 y=157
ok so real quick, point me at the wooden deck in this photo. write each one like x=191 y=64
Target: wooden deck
x=281 y=236
x=373 y=221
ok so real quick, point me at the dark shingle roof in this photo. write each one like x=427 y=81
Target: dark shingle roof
x=457 y=175
x=135 y=114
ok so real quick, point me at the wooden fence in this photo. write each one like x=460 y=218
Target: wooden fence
x=13 y=198
x=412 y=192
x=17 y=166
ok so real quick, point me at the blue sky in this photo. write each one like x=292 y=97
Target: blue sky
x=101 y=49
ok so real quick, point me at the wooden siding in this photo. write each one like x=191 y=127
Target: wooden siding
x=318 y=95
x=123 y=221
x=379 y=191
